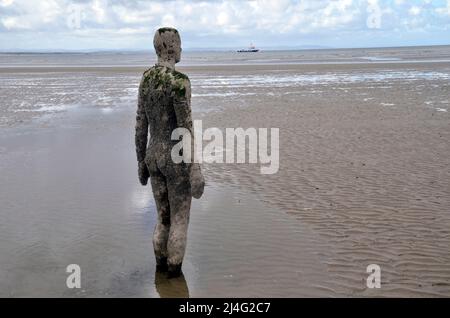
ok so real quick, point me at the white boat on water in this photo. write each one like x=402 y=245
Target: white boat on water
x=250 y=49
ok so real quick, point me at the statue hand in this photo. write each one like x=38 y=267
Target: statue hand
x=143 y=173
x=197 y=182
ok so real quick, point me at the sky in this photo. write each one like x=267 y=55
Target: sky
x=85 y=25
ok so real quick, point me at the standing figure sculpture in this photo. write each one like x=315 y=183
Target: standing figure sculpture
x=164 y=104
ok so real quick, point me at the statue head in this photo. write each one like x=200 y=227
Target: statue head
x=167 y=44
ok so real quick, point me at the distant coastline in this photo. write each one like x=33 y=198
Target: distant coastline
x=139 y=60
x=219 y=49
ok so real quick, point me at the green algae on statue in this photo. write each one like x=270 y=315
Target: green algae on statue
x=164 y=104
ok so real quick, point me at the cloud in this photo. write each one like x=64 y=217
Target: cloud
x=219 y=22
x=6 y=3
x=444 y=10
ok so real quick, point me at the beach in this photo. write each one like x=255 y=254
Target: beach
x=363 y=176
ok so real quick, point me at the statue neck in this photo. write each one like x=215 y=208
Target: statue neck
x=170 y=63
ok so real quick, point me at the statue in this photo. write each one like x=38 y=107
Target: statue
x=164 y=104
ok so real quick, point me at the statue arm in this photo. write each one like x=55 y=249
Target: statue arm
x=141 y=135
x=182 y=105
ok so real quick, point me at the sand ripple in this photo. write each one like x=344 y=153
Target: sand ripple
x=372 y=181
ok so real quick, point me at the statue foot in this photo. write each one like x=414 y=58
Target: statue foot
x=161 y=265
x=174 y=271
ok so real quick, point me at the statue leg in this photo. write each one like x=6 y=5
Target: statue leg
x=180 y=204
x=162 y=229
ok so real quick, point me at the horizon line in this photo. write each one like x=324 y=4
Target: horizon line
x=217 y=49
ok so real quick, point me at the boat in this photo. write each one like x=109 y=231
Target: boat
x=250 y=49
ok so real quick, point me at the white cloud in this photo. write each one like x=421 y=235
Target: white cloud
x=444 y=10
x=99 y=9
x=11 y=23
x=5 y=3
x=204 y=21
x=415 y=10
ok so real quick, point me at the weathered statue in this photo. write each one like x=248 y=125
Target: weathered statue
x=164 y=104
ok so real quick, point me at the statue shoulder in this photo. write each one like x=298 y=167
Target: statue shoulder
x=179 y=75
x=146 y=77
x=150 y=74
x=163 y=78
x=181 y=84
x=150 y=77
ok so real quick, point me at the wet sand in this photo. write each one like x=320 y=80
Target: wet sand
x=365 y=166
x=70 y=196
x=363 y=179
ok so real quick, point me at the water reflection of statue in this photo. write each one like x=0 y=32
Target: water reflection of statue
x=171 y=288
x=164 y=105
